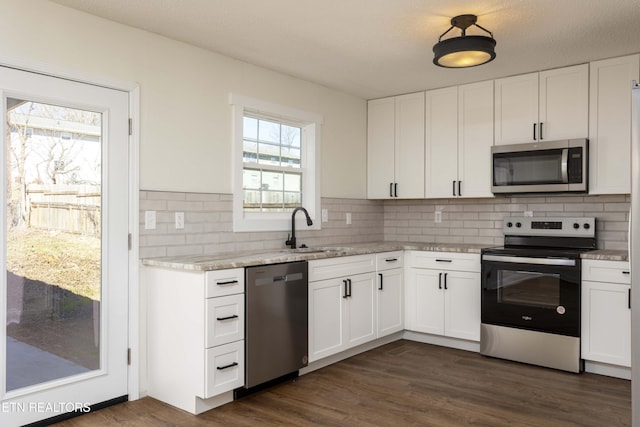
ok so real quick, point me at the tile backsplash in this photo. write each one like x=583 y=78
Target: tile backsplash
x=208 y=225
x=209 y=221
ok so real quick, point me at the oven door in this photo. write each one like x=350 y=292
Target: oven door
x=540 y=294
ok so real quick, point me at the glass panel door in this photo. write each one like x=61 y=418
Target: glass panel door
x=63 y=246
x=53 y=242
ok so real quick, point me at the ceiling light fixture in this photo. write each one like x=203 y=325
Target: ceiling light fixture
x=464 y=51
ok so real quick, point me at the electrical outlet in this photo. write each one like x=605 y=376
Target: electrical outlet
x=325 y=215
x=149 y=220
x=438 y=217
x=528 y=213
x=179 y=220
x=348 y=218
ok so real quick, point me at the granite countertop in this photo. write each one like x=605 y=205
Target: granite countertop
x=606 y=254
x=224 y=260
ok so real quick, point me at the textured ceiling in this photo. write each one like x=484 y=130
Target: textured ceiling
x=375 y=48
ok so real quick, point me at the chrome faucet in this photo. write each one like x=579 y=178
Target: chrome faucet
x=291 y=239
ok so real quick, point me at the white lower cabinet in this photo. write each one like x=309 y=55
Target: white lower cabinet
x=342 y=314
x=442 y=298
x=195 y=336
x=390 y=293
x=342 y=309
x=606 y=312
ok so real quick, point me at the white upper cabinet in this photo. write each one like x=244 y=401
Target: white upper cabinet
x=458 y=140
x=395 y=147
x=475 y=139
x=549 y=105
x=441 y=142
x=610 y=124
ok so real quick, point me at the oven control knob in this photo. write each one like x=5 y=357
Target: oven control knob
x=587 y=226
x=576 y=225
x=509 y=224
x=518 y=224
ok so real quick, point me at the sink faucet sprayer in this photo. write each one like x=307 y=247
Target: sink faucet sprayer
x=291 y=240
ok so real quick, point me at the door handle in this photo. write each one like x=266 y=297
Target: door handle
x=346 y=294
x=629 y=299
x=391 y=189
x=349 y=282
x=381 y=286
x=439 y=280
x=445 y=281
x=534 y=131
x=459 y=189
x=541 y=138
x=395 y=189
x=453 y=188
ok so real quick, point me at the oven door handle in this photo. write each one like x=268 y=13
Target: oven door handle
x=530 y=260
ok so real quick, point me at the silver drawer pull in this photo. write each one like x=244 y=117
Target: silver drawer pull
x=229 y=282
x=221 y=368
x=235 y=316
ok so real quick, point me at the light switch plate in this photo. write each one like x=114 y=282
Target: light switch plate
x=179 y=220
x=348 y=218
x=325 y=215
x=149 y=220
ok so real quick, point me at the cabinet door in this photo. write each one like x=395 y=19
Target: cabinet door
x=606 y=323
x=462 y=305
x=516 y=109
x=326 y=318
x=441 y=143
x=380 y=147
x=390 y=302
x=409 y=149
x=361 y=316
x=424 y=301
x=475 y=139
x=564 y=103
x=610 y=124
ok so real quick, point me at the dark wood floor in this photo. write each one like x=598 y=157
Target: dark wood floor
x=406 y=384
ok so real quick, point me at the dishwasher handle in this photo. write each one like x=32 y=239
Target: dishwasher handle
x=269 y=280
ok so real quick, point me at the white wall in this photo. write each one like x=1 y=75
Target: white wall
x=185 y=114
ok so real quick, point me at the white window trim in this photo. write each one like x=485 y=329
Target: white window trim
x=311 y=125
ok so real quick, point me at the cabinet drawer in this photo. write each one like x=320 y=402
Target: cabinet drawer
x=224 y=282
x=224 y=320
x=389 y=260
x=444 y=261
x=606 y=271
x=330 y=268
x=224 y=368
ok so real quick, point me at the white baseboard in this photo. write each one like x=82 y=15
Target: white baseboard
x=608 y=370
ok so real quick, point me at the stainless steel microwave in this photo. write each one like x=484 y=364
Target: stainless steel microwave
x=541 y=167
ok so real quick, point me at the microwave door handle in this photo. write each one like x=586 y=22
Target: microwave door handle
x=564 y=167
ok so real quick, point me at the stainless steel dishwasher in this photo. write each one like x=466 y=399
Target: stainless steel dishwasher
x=276 y=338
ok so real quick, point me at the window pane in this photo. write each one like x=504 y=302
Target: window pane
x=290 y=136
x=250 y=151
x=269 y=131
x=251 y=179
x=292 y=200
x=293 y=182
x=250 y=128
x=272 y=180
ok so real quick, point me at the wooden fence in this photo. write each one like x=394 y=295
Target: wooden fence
x=68 y=208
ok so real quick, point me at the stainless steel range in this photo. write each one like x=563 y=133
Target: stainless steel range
x=531 y=291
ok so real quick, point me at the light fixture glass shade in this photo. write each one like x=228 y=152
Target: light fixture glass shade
x=464 y=51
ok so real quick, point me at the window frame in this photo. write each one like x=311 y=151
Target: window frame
x=310 y=125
